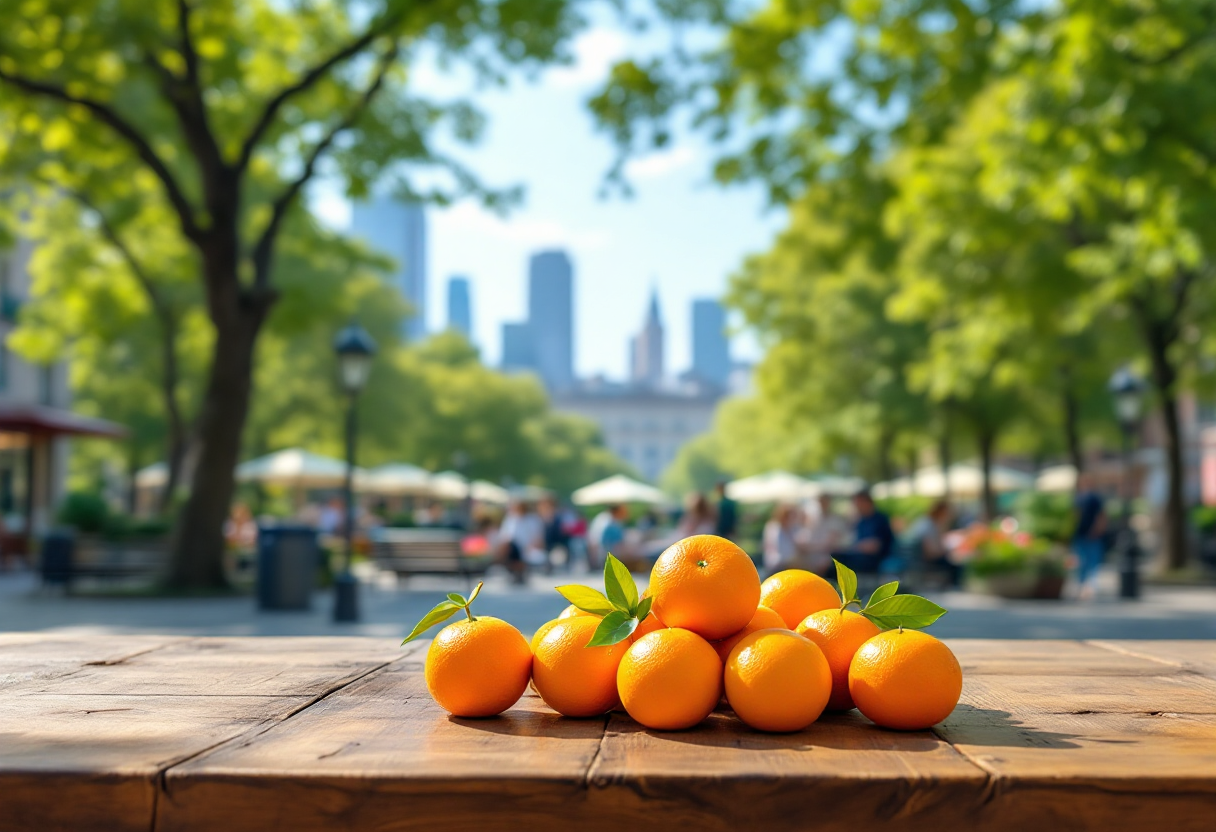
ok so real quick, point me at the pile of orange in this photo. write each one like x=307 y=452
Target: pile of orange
x=782 y=651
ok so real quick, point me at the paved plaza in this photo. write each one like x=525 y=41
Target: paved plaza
x=390 y=608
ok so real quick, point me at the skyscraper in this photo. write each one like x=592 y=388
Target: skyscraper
x=710 y=345
x=517 y=352
x=398 y=229
x=460 y=306
x=551 y=317
x=647 y=348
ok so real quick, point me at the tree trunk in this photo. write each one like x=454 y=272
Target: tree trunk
x=178 y=437
x=1164 y=377
x=198 y=544
x=943 y=454
x=1072 y=432
x=987 y=440
x=886 y=468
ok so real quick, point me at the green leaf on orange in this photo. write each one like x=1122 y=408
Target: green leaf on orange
x=883 y=592
x=846 y=580
x=442 y=612
x=644 y=608
x=586 y=599
x=908 y=611
x=476 y=592
x=615 y=628
x=619 y=585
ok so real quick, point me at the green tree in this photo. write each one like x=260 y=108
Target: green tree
x=204 y=98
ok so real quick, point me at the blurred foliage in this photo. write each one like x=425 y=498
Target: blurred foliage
x=1050 y=516
x=84 y=511
x=906 y=509
x=994 y=204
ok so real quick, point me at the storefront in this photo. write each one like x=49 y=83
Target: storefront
x=33 y=467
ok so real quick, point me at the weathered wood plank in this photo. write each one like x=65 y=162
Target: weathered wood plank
x=1194 y=656
x=1170 y=691
x=842 y=773
x=292 y=666
x=1090 y=771
x=380 y=754
x=87 y=750
x=991 y=657
x=31 y=659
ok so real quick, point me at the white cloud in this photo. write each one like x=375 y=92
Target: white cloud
x=660 y=164
x=470 y=218
x=595 y=52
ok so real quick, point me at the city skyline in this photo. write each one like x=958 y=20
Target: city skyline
x=460 y=306
x=398 y=228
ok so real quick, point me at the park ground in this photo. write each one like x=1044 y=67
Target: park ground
x=390 y=608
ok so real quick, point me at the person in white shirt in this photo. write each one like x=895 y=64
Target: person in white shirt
x=828 y=533
x=521 y=540
x=780 y=539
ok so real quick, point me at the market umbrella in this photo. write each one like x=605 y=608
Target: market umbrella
x=772 y=487
x=397 y=479
x=294 y=467
x=837 y=486
x=450 y=485
x=618 y=489
x=1057 y=478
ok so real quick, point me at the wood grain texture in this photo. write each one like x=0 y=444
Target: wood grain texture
x=312 y=734
x=85 y=749
x=32 y=659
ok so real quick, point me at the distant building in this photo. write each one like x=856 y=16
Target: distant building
x=646 y=349
x=644 y=427
x=710 y=346
x=35 y=422
x=517 y=354
x=460 y=306
x=551 y=318
x=398 y=229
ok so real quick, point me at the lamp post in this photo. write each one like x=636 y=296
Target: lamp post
x=1127 y=390
x=355 y=349
x=460 y=461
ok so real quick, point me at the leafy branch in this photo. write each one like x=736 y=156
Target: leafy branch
x=885 y=608
x=445 y=610
x=621 y=609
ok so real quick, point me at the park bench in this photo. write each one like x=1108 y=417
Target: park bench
x=65 y=559
x=426 y=552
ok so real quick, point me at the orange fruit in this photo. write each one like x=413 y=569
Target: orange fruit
x=574 y=612
x=795 y=593
x=905 y=679
x=706 y=584
x=540 y=632
x=479 y=667
x=839 y=634
x=777 y=680
x=572 y=678
x=762 y=619
x=670 y=679
x=649 y=624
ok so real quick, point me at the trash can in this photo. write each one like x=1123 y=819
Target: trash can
x=287 y=567
x=58 y=551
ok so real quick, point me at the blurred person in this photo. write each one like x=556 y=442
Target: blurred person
x=727 y=522
x=828 y=533
x=612 y=537
x=556 y=544
x=927 y=538
x=520 y=539
x=332 y=516
x=1089 y=536
x=781 y=532
x=873 y=539
x=595 y=532
x=240 y=529
x=698 y=517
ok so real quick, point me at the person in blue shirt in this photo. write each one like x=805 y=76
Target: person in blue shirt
x=873 y=538
x=1089 y=537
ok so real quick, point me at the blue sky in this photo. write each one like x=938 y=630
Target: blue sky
x=679 y=232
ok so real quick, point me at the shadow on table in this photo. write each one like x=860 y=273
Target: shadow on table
x=969 y=725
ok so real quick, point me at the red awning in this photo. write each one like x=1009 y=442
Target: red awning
x=52 y=421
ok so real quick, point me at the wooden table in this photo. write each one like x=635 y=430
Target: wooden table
x=161 y=733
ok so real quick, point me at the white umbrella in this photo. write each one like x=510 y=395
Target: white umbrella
x=772 y=487
x=838 y=486
x=294 y=467
x=967 y=480
x=1056 y=478
x=154 y=476
x=395 y=479
x=450 y=485
x=898 y=487
x=618 y=489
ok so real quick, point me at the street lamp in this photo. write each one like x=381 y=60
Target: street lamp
x=355 y=349
x=1127 y=390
